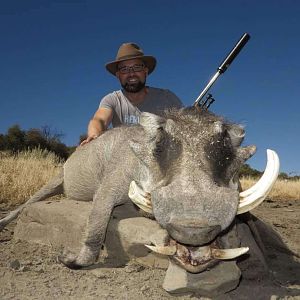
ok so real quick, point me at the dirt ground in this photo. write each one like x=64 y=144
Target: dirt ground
x=31 y=271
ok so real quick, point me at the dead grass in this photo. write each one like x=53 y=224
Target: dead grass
x=23 y=174
x=282 y=190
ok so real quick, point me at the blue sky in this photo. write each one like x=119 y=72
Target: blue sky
x=52 y=58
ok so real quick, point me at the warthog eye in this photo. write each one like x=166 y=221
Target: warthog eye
x=159 y=147
x=220 y=154
x=159 y=142
x=157 y=151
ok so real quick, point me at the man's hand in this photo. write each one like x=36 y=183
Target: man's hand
x=98 y=124
x=88 y=139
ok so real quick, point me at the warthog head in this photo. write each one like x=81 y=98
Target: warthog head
x=189 y=182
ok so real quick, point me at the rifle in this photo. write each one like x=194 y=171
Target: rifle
x=205 y=104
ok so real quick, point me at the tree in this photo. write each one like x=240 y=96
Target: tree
x=58 y=148
x=50 y=134
x=246 y=170
x=35 y=139
x=45 y=138
x=3 y=144
x=15 y=138
x=283 y=175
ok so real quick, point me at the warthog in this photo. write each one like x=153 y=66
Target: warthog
x=181 y=167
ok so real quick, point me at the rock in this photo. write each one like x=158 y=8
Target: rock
x=57 y=224
x=100 y=273
x=133 y=268
x=40 y=270
x=217 y=281
x=15 y=265
x=126 y=239
x=255 y=256
x=144 y=288
x=61 y=224
x=153 y=260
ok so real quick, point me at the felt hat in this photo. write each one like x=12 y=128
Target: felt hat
x=129 y=51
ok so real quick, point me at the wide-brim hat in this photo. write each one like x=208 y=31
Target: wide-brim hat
x=129 y=51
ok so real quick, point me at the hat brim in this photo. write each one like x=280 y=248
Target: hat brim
x=150 y=62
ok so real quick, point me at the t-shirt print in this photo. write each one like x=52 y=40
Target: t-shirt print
x=131 y=119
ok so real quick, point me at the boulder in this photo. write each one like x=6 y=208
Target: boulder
x=221 y=279
x=61 y=224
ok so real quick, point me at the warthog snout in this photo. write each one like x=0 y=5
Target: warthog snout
x=192 y=231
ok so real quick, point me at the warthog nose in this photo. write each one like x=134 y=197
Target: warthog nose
x=191 y=231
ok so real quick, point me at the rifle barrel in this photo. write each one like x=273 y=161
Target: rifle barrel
x=225 y=64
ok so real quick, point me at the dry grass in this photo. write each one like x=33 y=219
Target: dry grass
x=282 y=190
x=23 y=174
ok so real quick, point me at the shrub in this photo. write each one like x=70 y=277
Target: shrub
x=23 y=173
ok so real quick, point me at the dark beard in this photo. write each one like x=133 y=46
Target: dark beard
x=133 y=87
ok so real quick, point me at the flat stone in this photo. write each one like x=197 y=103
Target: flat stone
x=53 y=223
x=221 y=279
x=126 y=239
x=61 y=224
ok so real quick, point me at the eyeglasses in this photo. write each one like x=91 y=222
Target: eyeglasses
x=134 y=68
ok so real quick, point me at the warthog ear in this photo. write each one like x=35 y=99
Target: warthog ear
x=242 y=154
x=152 y=123
x=237 y=134
x=151 y=144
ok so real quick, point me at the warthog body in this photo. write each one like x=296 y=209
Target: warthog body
x=186 y=160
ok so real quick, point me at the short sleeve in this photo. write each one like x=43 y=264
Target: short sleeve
x=107 y=102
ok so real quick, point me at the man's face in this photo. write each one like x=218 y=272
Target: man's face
x=132 y=75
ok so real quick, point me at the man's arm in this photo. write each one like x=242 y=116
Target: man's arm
x=98 y=124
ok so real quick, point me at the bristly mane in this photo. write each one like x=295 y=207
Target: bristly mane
x=217 y=146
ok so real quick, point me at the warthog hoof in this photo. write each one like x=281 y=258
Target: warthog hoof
x=70 y=260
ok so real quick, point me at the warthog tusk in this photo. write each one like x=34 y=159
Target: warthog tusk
x=165 y=250
x=139 y=197
x=255 y=195
x=268 y=172
x=215 y=253
x=228 y=253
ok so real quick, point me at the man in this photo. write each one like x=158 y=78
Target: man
x=131 y=67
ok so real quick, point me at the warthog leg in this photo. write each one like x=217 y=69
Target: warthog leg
x=94 y=234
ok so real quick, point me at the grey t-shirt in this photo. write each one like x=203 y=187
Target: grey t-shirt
x=124 y=112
